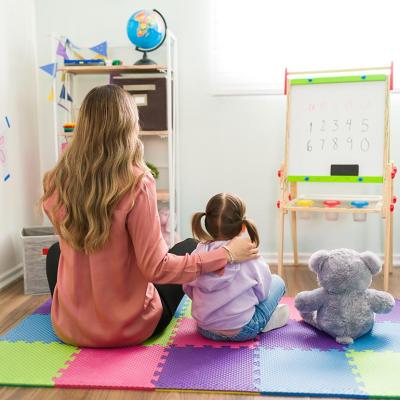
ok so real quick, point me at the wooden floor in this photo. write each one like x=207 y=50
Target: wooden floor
x=14 y=306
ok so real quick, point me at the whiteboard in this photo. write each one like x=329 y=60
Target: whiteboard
x=340 y=123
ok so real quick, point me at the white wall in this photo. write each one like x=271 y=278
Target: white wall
x=227 y=143
x=18 y=92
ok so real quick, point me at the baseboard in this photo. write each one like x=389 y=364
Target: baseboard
x=11 y=275
x=272 y=258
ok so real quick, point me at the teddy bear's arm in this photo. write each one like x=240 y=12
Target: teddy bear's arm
x=380 y=302
x=309 y=301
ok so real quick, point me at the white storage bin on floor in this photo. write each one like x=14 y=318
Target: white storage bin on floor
x=36 y=242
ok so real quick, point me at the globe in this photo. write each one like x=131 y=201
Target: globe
x=147 y=30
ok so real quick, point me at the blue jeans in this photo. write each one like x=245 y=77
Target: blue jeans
x=262 y=315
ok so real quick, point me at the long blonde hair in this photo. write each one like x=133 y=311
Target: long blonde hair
x=224 y=219
x=96 y=169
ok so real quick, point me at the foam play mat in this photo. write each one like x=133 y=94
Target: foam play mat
x=295 y=360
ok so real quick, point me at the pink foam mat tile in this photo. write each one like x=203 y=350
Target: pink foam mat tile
x=294 y=314
x=187 y=335
x=123 y=368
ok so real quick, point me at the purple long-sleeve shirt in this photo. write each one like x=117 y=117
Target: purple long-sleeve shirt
x=228 y=301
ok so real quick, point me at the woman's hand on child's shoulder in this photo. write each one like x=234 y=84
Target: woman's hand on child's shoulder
x=241 y=249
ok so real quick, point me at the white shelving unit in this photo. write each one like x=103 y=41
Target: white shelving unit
x=170 y=136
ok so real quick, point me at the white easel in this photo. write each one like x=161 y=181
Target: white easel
x=383 y=204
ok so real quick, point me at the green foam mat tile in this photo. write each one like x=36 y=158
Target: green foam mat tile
x=378 y=372
x=33 y=364
x=165 y=338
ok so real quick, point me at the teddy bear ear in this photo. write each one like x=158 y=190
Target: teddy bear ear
x=317 y=259
x=372 y=261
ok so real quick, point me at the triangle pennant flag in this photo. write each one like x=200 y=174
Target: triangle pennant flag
x=62 y=51
x=50 y=97
x=100 y=48
x=64 y=95
x=50 y=69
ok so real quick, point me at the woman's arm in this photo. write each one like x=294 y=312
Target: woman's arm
x=151 y=251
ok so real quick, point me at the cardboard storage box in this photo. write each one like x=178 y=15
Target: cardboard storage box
x=150 y=95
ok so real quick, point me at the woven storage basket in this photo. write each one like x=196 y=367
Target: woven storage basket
x=36 y=241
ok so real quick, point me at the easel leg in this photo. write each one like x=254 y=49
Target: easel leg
x=391 y=244
x=281 y=240
x=387 y=256
x=293 y=224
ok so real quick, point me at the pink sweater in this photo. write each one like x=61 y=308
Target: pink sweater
x=106 y=298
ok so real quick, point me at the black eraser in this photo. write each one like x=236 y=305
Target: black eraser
x=344 y=169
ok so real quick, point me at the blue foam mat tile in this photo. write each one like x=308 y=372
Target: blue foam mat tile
x=35 y=328
x=181 y=308
x=385 y=336
x=305 y=373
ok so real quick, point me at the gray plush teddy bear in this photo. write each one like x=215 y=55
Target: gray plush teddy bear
x=343 y=307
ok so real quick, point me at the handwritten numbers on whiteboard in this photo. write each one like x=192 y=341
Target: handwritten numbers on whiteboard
x=349 y=140
x=321 y=135
x=364 y=144
x=364 y=125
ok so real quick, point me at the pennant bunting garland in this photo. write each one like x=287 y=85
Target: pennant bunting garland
x=61 y=51
x=64 y=95
x=50 y=69
x=50 y=96
x=66 y=49
x=100 y=48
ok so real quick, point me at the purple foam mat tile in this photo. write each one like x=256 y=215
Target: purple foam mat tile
x=393 y=316
x=44 y=308
x=299 y=335
x=221 y=369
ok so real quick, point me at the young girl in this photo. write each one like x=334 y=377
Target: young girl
x=240 y=302
x=102 y=201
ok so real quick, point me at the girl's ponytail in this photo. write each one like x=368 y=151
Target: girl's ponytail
x=252 y=231
x=197 y=229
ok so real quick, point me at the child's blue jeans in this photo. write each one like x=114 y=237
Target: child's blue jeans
x=262 y=315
